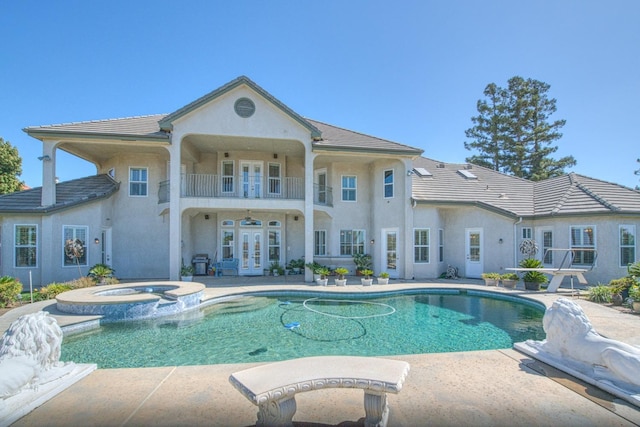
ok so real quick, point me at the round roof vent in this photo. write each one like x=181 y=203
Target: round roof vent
x=244 y=107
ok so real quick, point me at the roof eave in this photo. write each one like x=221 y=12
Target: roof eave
x=52 y=134
x=367 y=150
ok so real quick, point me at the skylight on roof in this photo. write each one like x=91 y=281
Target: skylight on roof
x=422 y=172
x=467 y=174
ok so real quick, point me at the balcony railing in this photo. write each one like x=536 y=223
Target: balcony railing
x=214 y=186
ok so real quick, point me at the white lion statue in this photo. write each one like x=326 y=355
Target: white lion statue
x=571 y=336
x=30 y=354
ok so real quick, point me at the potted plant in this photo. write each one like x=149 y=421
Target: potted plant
x=296 y=265
x=276 y=269
x=100 y=273
x=362 y=262
x=383 y=278
x=314 y=266
x=341 y=280
x=491 y=279
x=186 y=273
x=322 y=273
x=367 y=280
x=532 y=279
x=509 y=280
x=634 y=294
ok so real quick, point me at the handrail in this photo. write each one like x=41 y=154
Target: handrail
x=572 y=253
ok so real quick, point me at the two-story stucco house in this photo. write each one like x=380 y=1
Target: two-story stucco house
x=237 y=174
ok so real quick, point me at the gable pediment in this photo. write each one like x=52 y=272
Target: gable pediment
x=239 y=99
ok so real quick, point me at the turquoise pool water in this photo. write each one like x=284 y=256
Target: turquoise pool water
x=270 y=328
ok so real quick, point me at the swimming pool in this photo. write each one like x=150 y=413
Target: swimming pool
x=270 y=327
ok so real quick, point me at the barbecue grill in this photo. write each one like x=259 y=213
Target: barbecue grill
x=200 y=263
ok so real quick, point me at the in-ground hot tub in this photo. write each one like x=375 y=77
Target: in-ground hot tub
x=130 y=301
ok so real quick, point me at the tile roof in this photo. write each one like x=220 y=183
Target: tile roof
x=565 y=195
x=137 y=127
x=490 y=189
x=69 y=193
x=337 y=138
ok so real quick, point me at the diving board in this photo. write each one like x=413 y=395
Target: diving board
x=565 y=268
x=558 y=274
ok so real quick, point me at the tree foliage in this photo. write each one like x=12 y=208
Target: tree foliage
x=10 y=168
x=637 y=172
x=513 y=132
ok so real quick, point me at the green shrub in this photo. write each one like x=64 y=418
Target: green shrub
x=509 y=276
x=100 y=272
x=10 y=290
x=618 y=286
x=600 y=294
x=50 y=291
x=490 y=275
x=634 y=293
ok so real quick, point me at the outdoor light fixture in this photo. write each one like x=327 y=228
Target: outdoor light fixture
x=96 y=240
x=46 y=158
x=372 y=241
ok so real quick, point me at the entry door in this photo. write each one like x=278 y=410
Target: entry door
x=251 y=179
x=251 y=252
x=474 y=258
x=390 y=251
x=106 y=247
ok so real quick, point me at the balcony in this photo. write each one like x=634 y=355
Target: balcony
x=216 y=186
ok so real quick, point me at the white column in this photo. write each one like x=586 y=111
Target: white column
x=308 y=211
x=175 y=213
x=408 y=220
x=48 y=196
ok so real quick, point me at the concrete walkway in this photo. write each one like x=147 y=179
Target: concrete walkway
x=483 y=388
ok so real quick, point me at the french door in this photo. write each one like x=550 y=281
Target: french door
x=251 y=179
x=390 y=251
x=251 y=252
x=474 y=263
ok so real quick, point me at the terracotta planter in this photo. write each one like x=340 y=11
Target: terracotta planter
x=636 y=306
x=617 y=299
x=491 y=282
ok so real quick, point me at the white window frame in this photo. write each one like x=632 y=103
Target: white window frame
x=319 y=242
x=353 y=245
x=440 y=245
x=33 y=245
x=75 y=230
x=547 y=256
x=227 y=244
x=388 y=185
x=579 y=258
x=421 y=249
x=274 y=182
x=527 y=233
x=143 y=183
x=631 y=230
x=276 y=245
x=348 y=189
x=228 y=181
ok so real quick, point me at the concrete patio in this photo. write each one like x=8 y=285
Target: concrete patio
x=482 y=388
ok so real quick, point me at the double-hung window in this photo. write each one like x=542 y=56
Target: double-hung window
x=227 y=243
x=26 y=245
x=274 y=246
x=138 y=181
x=388 y=183
x=349 y=187
x=227 y=176
x=75 y=245
x=320 y=242
x=583 y=243
x=421 y=245
x=627 y=245
x=274 y=179
x=351 y=242
x=440 y=245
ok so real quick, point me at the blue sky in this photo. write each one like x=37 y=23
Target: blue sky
x=408 y=71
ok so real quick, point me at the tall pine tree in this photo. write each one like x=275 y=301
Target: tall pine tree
x=513 y=129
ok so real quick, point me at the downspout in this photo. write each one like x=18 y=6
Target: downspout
x=515 y=242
